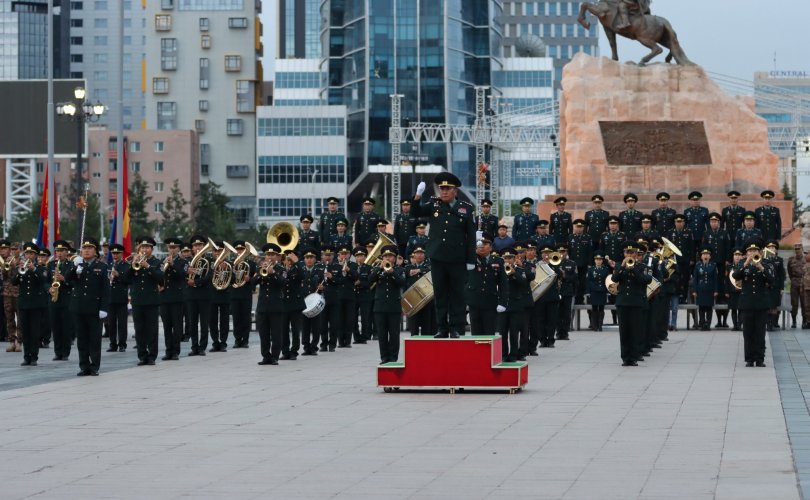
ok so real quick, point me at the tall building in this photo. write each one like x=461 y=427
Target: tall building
x=94 y=32
x=555 y=23
x=24 y=42
x=299 y=25
x=202 y=73
x=300 y=147
x=432 y=52
x=783 y=99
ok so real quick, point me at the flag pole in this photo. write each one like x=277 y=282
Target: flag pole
x=50 y=110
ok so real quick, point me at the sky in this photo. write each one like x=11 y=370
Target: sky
x=730 y=37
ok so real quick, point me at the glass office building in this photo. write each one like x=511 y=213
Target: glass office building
x=556 y=24
x=433 y=52
x=24 y=41
x=299 y=28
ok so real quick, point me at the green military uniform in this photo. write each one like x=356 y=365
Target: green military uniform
x=311 y=278
x=424 y=321
x=413 y=242
x=732 y=217
x=32 y=303
x=630 y=302
x=364 y=300
x=269 y=308
x=308 y=238
x=118 y=312
x=524 y=223
x=293 y=302
x=596 y=222
x=219 y=313
x=404 y=228
x=197 y=298
x=513 y=319
x=242 y=301
x=171 y=303
x=145 y=293
x=769 y=221
x=365 y=225
x=59 y=311
x=486 y=289
x=487 y=223
x=663 y=217
x=451 y=249
x=89 y=302
x=580 y=250
x=387 y=307
x=753 y=306
x=560 y=222
x=326 y=223
x=347 y=305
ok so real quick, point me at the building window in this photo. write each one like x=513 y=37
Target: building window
x=101 y=4
x=100 y=41
x=100 y=76
x=205 y=73
x=235 y=126
x=299 y=169
x=76 y=58
x=199 y=126
x=40 y=167
x=167 y=4
x=212 y=5
x=168 y=54
x=135 y=166
x=298 y=80
x=233 y=63
x=205 y=159
x=100 y=23
x=112 y=165
x=76 y=5
x=237 y=22
x=291 y=207
x=135 y=147
x=163 y=22
x=100 y=58
x=158 y=206
x=245 y=96
x=158 y=187
x=158 y=166
x=237 y=171
x=76 y=23
x=158 y=146
x=97 y=175
x=76 y=40
x=167 y=115
x=292 y=127
x=205 y=24
x=205 y=41
x=160 y=85
x=203 y=105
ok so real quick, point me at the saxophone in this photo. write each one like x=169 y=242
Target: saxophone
x=55 y=283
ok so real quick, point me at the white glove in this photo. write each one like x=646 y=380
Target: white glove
x=470 y=267
x=78 y=260
x=420 y=188
x=479 y=235
x=500 y=309
x=79 y=269
x=102 y=314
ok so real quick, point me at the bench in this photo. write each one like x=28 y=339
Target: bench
x=577 y=308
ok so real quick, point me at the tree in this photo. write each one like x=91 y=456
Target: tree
x=212 y=216
x=139 y=222
x=256 y=236
x=175 y=215
x=24 y=226
x=798 y=206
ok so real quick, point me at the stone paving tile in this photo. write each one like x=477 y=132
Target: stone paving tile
x=689 y=423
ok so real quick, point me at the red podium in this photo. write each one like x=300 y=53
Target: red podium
x=469 y=362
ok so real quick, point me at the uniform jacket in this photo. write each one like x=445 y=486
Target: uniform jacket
x=487 y=223
x=271 y=290
x=362 y=286
x=630 y=221
x=119 y=286
x=569 y=278
x=718 y=242
x=744 y=235
x=174 y=281
x=580 y=249
x=309 y=239
x=663 y=220
x=755 y=286
x=91 y=288
x=704 y=281
x=404 y=228
x=769 y=221
x=632 y=285
x=64 y=289
x=144 y=283
x=611 y=245
x=365 y=225
x=388 y=292
x=523 y=226
x=596 y=223
x=697 y=221
x=200 y=290
x=326 y=224
x=560 y=226
x=518 y=290
x=32 y=294
x=595 y=284
x=486 y=286
x=732 y=220
x=414 y=241
x=452 y=230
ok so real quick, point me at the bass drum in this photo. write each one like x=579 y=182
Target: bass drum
x=544 y=277
x=315 y=304
x=418 y=295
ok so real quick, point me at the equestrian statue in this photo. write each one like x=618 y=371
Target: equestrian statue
x=632 y=19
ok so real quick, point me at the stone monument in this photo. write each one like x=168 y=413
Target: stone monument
x=626 y=128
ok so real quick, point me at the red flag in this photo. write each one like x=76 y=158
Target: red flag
x=42 y=230
x=127 y=241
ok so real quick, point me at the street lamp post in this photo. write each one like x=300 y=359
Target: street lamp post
x=82 y=111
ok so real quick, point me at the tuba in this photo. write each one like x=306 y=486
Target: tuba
x=223 y=270
x=283 y=234
x=241 y=268
x=374 y=254
x=199 y=264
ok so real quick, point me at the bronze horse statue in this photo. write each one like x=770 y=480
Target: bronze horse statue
x=651 y=31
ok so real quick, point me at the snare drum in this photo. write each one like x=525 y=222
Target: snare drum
x=315 y=304
x=418 y=295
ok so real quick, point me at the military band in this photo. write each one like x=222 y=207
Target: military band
x=359 y=280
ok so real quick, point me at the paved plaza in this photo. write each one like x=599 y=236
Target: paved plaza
x=691 y=422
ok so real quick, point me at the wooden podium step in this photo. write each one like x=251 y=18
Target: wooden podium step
x=469 y=362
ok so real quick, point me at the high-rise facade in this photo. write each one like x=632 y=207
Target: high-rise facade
x=299 y=25
x=433 y=52
x=555 y=23
x=202 y=71
x=24 y=40
x=94 y=32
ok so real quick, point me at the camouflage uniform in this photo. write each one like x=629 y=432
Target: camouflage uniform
x=795 y=269
x=10 y=294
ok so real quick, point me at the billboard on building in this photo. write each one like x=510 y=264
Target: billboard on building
x=23 y=125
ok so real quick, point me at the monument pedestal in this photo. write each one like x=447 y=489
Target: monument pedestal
x=626 y=128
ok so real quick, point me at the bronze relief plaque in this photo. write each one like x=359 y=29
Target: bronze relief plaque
x=655 y=143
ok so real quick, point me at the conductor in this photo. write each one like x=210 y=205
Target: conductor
x=451 y=249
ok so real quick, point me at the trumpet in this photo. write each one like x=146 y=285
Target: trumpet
x=555 y=258
x=756 y=258
x=629 y=263
x=23 y=266
x=387 y=266
x=345 y=267
x=167 y=263
x=266 y=269
x=138 y=260
x=10 y=263
x=509 y=269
